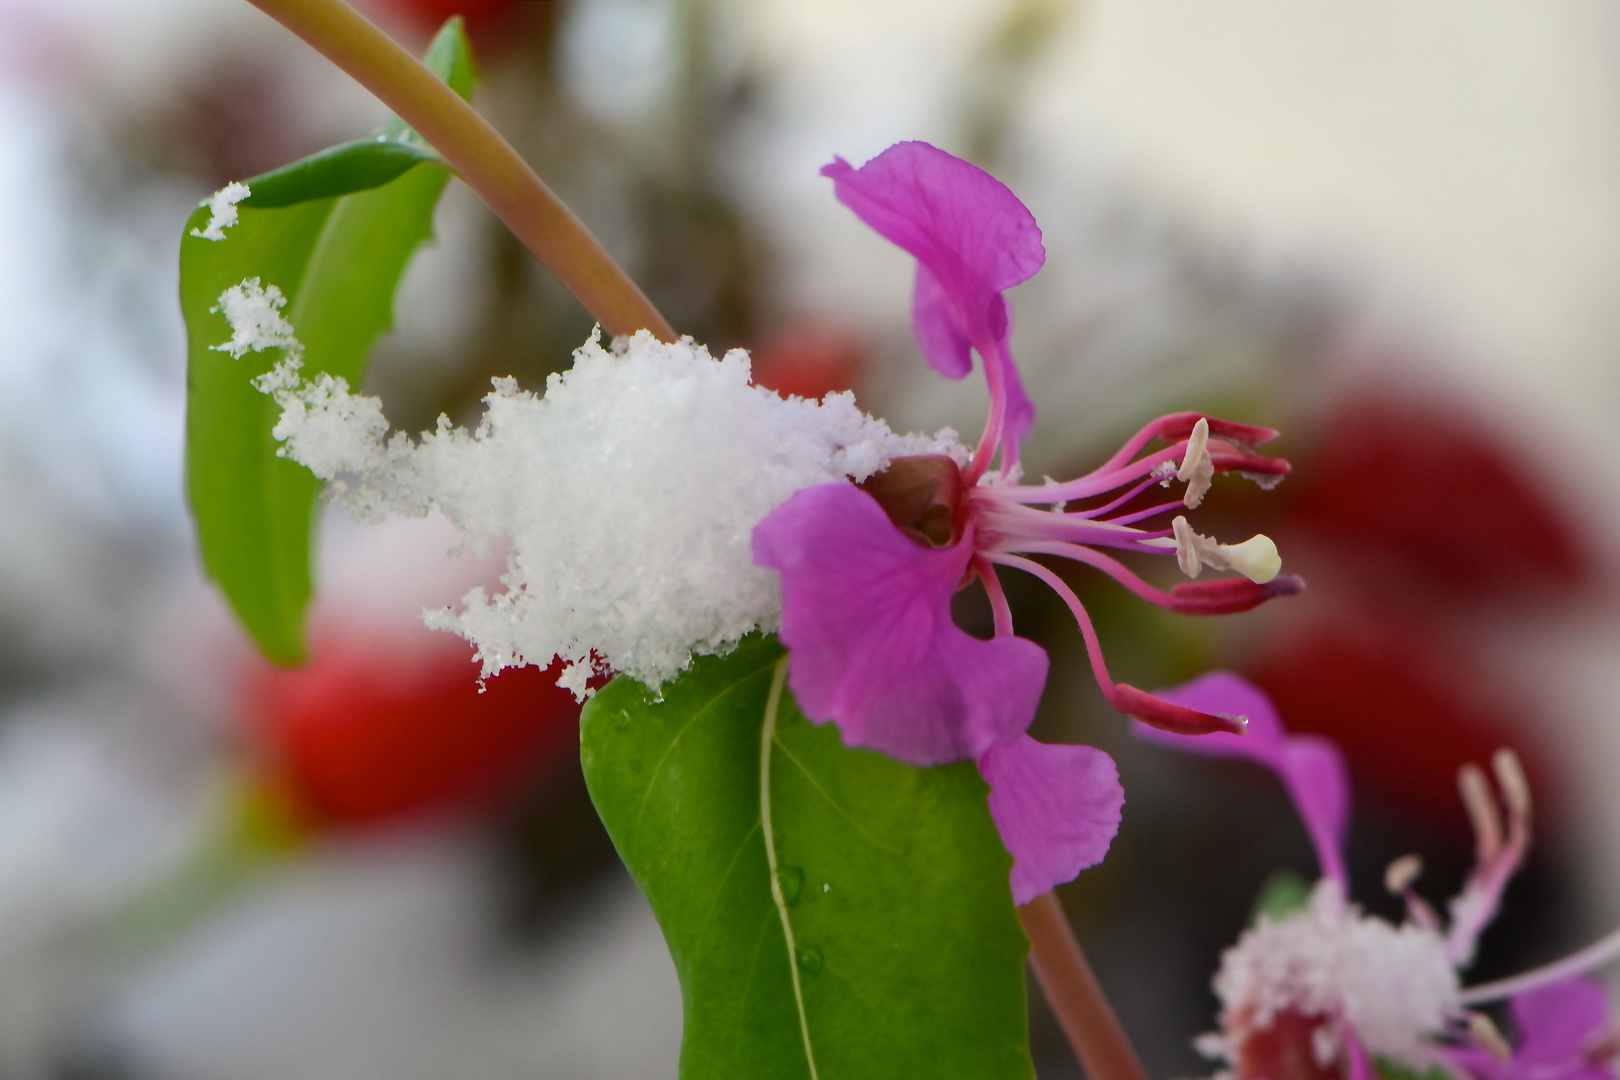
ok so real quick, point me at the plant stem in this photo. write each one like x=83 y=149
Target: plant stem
x=484 y=160
x=1072 y=991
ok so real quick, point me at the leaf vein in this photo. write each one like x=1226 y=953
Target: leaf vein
x=845 y=814
x=652 y=780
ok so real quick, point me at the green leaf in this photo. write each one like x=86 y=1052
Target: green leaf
x=335 y=238
x=1283 y=893
x=340 y=170
x=1394 y=1070
x=884 y=943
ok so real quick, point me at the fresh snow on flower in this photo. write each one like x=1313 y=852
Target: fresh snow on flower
x=222 y=211
x=254 y=313
x=1389 y=984
x=629 y=492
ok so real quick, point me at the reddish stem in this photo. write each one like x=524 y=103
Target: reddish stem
x=484 y=160
x=1072 y=991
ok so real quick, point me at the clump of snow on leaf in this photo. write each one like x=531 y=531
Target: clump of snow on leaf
x=222 y=212
x=1391 y=985
x=254 y=312
x=629 y=493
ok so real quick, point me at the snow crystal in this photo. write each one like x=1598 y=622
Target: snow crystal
x=222 y=211
x=1391 y=984
x=629 y=492
x=254 y=313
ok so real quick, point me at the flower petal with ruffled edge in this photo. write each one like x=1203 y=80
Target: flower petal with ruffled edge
x=866 y=617
x=972 y=239
x=1311 y=768
x=1057 y=808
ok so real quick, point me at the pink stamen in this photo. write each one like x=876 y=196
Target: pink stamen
x=1228 y=596
x=1012 y=528
x=1179 y=426
x=1107 y=564
x=1149 y=432
x=1124 y=697
x=1099 y=511
x=1168 y=716
x=1500 y=850
x=1000 y=610
x=1267 y=472
x=1093 y=647
x=1143 y=515
x=1100 y=482
x=1604 y=951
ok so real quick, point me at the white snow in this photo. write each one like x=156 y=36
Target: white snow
x=222 y=212
x=629 y=492
x=1393 y=985
x=254 y=313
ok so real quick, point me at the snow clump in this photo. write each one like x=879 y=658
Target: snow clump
x=629 y=492
x=222 y=213
x=1391 y=985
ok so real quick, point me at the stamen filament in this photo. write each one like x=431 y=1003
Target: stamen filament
x=1143 y=515
x=1604 y=951
x=1099 y=483
x=1000 y=610
x=1001 y=534
x=1107 y=564
x=1097 y=512
x=1088 y=632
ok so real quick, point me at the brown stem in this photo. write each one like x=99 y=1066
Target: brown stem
x=484 y=160
x=1072 y=991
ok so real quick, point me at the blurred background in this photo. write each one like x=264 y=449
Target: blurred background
x=1391 y=231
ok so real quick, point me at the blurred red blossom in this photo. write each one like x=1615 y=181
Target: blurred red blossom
x=370 y=732
x=1419 y=524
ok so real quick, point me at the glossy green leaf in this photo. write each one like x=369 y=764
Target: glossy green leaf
x=338 y=259
x=884 y=944
x=340 y=170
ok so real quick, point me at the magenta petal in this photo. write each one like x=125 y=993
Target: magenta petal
x=972 y=239
x=943 y=344
x=1310 y=767
x=1020 y=418
x=866 y=617
x=961 y=222
x=1556 y=1022
x=1057 y=808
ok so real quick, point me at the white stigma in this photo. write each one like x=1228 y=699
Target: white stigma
x=1197 y=469
x=222 y=211
x=1255 y=558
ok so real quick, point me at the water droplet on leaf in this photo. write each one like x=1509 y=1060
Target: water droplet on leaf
x=809 y=960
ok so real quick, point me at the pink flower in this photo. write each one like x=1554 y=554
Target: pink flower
x=868 y=573
x=1328 y=986
x=1310 y=766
